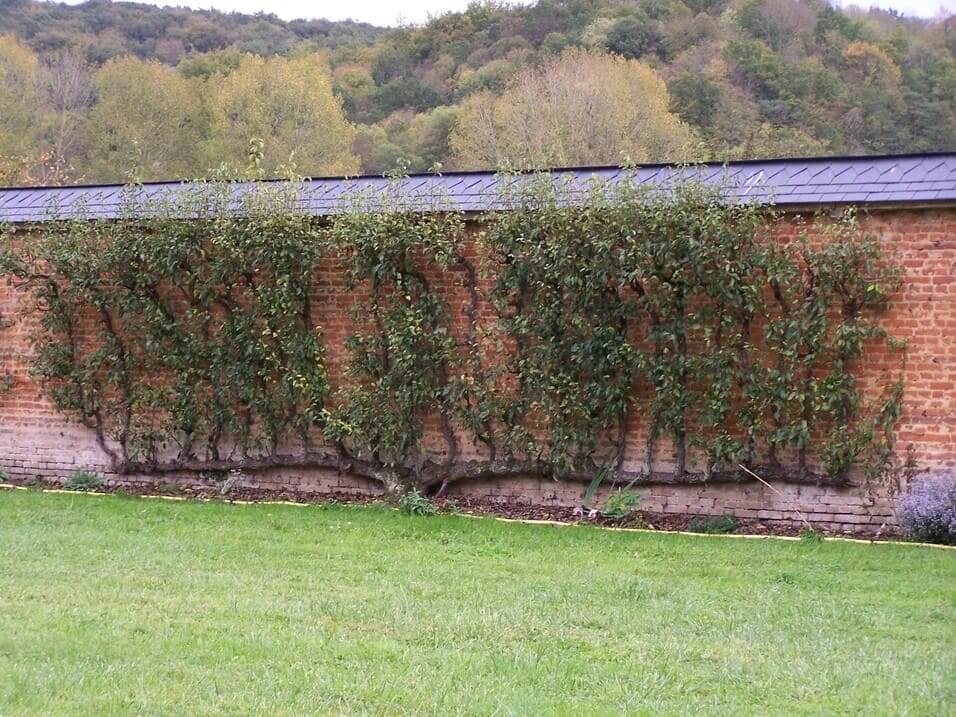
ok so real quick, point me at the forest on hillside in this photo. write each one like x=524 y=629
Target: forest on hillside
x=105 y=92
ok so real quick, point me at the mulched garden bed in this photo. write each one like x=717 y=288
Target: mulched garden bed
x=668 y=522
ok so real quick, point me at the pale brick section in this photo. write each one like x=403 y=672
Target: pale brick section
x=826 y=507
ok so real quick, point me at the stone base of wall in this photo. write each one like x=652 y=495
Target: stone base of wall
x=831 y=508
x=306 y=484
x=55 y=457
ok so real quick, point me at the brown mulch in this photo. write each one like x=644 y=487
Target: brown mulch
x=667 y=522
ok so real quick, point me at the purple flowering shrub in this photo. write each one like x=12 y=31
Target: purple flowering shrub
x=927 y=510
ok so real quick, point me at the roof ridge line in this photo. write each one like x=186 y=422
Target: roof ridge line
x=492 y=172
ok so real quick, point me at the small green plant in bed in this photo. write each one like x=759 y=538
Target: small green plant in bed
x=414 y=503
x=811 y=536
x=619 y=504
x=451 y=507
x=83 y=480
x=713 y=524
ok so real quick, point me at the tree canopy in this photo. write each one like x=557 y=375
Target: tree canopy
x=584 y=107
x=289 y=105
x=18 y=97
x=146 y=120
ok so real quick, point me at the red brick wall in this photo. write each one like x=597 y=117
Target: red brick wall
x=36 y=441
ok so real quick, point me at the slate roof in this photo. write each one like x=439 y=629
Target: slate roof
x=924 y=178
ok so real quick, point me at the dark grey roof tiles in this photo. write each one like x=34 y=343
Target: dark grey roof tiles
x=786 y=182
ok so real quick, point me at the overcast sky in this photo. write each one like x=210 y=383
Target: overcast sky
x=386 y=12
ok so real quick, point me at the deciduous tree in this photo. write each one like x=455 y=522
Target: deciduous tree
x=147 y=119
x=18 y=101
x=66 y=95
x=582 y=108
x=289 y=105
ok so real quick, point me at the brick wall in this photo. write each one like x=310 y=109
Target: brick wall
x=36 y=441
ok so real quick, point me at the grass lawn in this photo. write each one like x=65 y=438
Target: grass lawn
x=115 y=605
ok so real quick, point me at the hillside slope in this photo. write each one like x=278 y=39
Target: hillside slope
x=747 y=77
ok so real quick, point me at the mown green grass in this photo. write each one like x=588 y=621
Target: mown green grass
x=112 y=605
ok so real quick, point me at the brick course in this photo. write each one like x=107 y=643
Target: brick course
x=36 y=441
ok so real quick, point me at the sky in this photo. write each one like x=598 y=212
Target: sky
x=386 y=12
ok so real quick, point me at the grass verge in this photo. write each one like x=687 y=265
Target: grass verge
x=129 y=606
